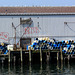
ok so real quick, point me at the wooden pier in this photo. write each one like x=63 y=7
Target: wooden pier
x=24 y=55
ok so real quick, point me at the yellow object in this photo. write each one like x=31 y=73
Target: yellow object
x=72 y=41
x=44 y=38
x=67 y=42
x=70 y=50
x=48 y=39
x=2 y=44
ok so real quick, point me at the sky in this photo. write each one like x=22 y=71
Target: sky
x=37 y=2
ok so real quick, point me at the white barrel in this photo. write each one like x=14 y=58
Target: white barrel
x=10 y=47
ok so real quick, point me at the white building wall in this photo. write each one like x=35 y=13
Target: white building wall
x=50 y=25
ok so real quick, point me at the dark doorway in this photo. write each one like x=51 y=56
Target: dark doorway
x=24 y=42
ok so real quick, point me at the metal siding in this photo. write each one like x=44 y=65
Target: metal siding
x=6 y=26
x=52 y=25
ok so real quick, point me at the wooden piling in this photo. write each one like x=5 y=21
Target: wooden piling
x=58 y=65
x=30 y=56
x=64 y=59
x=40 y=54
x=48 y=56
x=21 y=54
x=2 y=61
x=57 y=56
x=9 y=56
x=61 y=53
x=68 y=57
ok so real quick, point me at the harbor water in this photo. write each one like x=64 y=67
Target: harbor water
x=50 y=68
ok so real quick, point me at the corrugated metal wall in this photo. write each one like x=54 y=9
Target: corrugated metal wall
x=60 y=27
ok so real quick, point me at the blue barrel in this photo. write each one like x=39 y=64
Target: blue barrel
x=68 y=46
x=73 y=53
x=69 y=41
x=34 y=43
x=45 y=41
x=63 y=42
x=27 y=47
x=54 y=45
x=6 y=52
x=64 y=51
x=49 y=43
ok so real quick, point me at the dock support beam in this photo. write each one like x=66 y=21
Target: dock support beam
x=57 y=56
x=61 y=54
x=40 y=54
x=30 y=56
x=48 y=56
x=68 y=58
x=21 y=54
x=9 y=56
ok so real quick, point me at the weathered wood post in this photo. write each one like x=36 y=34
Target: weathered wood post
x=68 y=58
x=9 y=56
x=57 y=64
x=21 y=54
x=40 y=54
x=30 y=55
x=61 y=58
x=57 y=56
x=48 y=55
x=61 y=53
x=64 y=59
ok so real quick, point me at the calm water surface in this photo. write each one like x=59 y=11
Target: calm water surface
x=38 y=69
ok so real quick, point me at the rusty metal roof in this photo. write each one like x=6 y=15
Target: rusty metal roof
x=37 y=9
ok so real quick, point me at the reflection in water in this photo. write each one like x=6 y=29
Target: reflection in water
x=9 y=68
x=47 y=68
x=57 y=68
x=30 y=69
x=62 y=66
x=40 y=67
x=21 y=68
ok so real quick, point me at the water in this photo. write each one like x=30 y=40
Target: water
x=38 y=69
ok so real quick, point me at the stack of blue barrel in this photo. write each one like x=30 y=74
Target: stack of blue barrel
x=45 y=44
x=3 y=48
x=68 y=47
